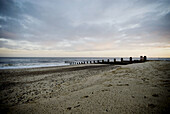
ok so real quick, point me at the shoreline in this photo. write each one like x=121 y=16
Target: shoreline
x=90 y=88
x=11 y=67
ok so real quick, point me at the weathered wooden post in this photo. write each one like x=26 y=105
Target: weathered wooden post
x=108 y=60
x=94 y=61
x=130 y=59
x=97 y=61
x=121 y=60
x=90 y=62
x=102 y=61
x=141 y=58
x=145 y=58
x=114 y=60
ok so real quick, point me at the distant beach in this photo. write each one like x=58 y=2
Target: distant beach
x=92 y=88
x=37 y=62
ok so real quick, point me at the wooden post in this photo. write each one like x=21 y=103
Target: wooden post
x=145 y=58
x=114 y=60
x=121 y=60
x=94 y=62
x=108 y=60
x=90 y=62
x=141 y=58
x=97 y=61
x=130 y=59
x=102 y=61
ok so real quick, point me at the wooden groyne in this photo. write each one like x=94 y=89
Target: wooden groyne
x=114 y=62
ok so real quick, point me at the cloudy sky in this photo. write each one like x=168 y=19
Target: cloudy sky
x=98 y=28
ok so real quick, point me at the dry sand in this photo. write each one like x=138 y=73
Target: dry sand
x=86 y=89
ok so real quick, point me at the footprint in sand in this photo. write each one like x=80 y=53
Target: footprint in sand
x=76 y=106
x=109 y=85
x=133 y=96
x=122 y=84
x=105 y=90
x=155 y=95
x=69 y=108
x=85 y=96
x=151 y=105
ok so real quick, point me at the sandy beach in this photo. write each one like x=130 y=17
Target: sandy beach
x=87 y=89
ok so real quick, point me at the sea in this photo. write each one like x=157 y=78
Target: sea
x=33 y=62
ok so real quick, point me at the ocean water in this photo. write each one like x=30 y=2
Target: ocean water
x=33 y=62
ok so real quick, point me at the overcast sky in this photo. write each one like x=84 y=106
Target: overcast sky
x=85 y=28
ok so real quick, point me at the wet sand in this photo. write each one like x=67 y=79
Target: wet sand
x=134 y=88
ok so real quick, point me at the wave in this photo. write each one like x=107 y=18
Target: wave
x=14 y=66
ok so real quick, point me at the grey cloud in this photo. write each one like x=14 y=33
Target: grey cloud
x=61 y=21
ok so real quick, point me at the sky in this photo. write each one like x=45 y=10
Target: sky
x=84 y=28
